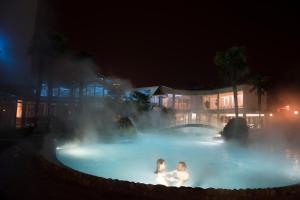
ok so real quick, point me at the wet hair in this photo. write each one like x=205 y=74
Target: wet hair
x=182 y=164
x=158 y=163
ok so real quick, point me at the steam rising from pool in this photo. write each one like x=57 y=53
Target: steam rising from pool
x=210 y=162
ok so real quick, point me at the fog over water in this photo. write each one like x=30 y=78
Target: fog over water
x=210 y=162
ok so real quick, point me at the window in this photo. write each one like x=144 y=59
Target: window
x=165 y=101
x=19 y=109
x=227 y=100
x=76 y=92
x=194 y=116
x=44 y=90
x=105 y=92
x=210 y=102
x=182 y=102
x=99 y=90
x=154 y=100
x=90 y=90
x=55 y=92
x=64 y=92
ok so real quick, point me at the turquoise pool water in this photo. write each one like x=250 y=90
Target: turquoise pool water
x=210 y=162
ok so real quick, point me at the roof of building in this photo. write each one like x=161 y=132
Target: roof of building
x=160 y=90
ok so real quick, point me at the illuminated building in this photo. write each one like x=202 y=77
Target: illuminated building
x=212 y=107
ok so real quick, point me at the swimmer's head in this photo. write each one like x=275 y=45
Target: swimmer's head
x=181 y=166
x=160 y=166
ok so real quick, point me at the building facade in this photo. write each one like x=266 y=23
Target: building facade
x=211 y=107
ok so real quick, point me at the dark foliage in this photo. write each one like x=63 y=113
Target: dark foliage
x=236 y=129
x=125 y=125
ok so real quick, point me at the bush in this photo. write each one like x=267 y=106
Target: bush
x=236 y=129
x=126 y=126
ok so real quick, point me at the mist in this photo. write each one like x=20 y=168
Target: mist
x=118 y=112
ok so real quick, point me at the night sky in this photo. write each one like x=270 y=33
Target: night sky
x=174 y=44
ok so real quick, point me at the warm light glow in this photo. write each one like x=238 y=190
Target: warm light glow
x=247 y=114
x=194 y=116
x=233 y=115
x=296 y=112
x=19 y=109
x=226 y=100
x=271 y=114
x=287 y=107
x=254 y=115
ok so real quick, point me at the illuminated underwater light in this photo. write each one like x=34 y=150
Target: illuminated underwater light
x=74 y=149
x=77 y=152
x=68 y=145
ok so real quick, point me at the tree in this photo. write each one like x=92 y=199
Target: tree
x=233 y=66
x=84 y=70
x=259 y=83
x=45 y=47
x=141 y=101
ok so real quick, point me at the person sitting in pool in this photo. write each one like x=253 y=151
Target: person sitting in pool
x=179 y=176
x=161 y=175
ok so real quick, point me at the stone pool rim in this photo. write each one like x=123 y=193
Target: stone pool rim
x=47 y=161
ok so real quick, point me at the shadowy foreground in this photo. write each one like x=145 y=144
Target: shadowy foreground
x=22 y=178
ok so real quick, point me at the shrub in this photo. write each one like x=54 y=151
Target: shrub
x=236 y=129
x=126 y=126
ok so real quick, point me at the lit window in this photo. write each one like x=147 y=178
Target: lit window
x=90 y=90
x=19 y=109
x=227 y=100
x=98 y=91
x=44 y=90
x=55 y=92
x=105 y=92
x=64 y=92
x=76 y=92
x=194 y=116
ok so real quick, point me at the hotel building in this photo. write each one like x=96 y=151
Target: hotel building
x=211 y=107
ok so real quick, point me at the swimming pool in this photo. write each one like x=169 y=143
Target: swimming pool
x=210 y=162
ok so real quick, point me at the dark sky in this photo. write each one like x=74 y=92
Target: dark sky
x=174 y=44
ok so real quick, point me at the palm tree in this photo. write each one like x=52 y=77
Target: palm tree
x=259 y=83
x=84 y=70
x=233 y=66
x=45 y=47
x=141 y=101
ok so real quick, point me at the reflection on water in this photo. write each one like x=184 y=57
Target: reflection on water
x=210 y=162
